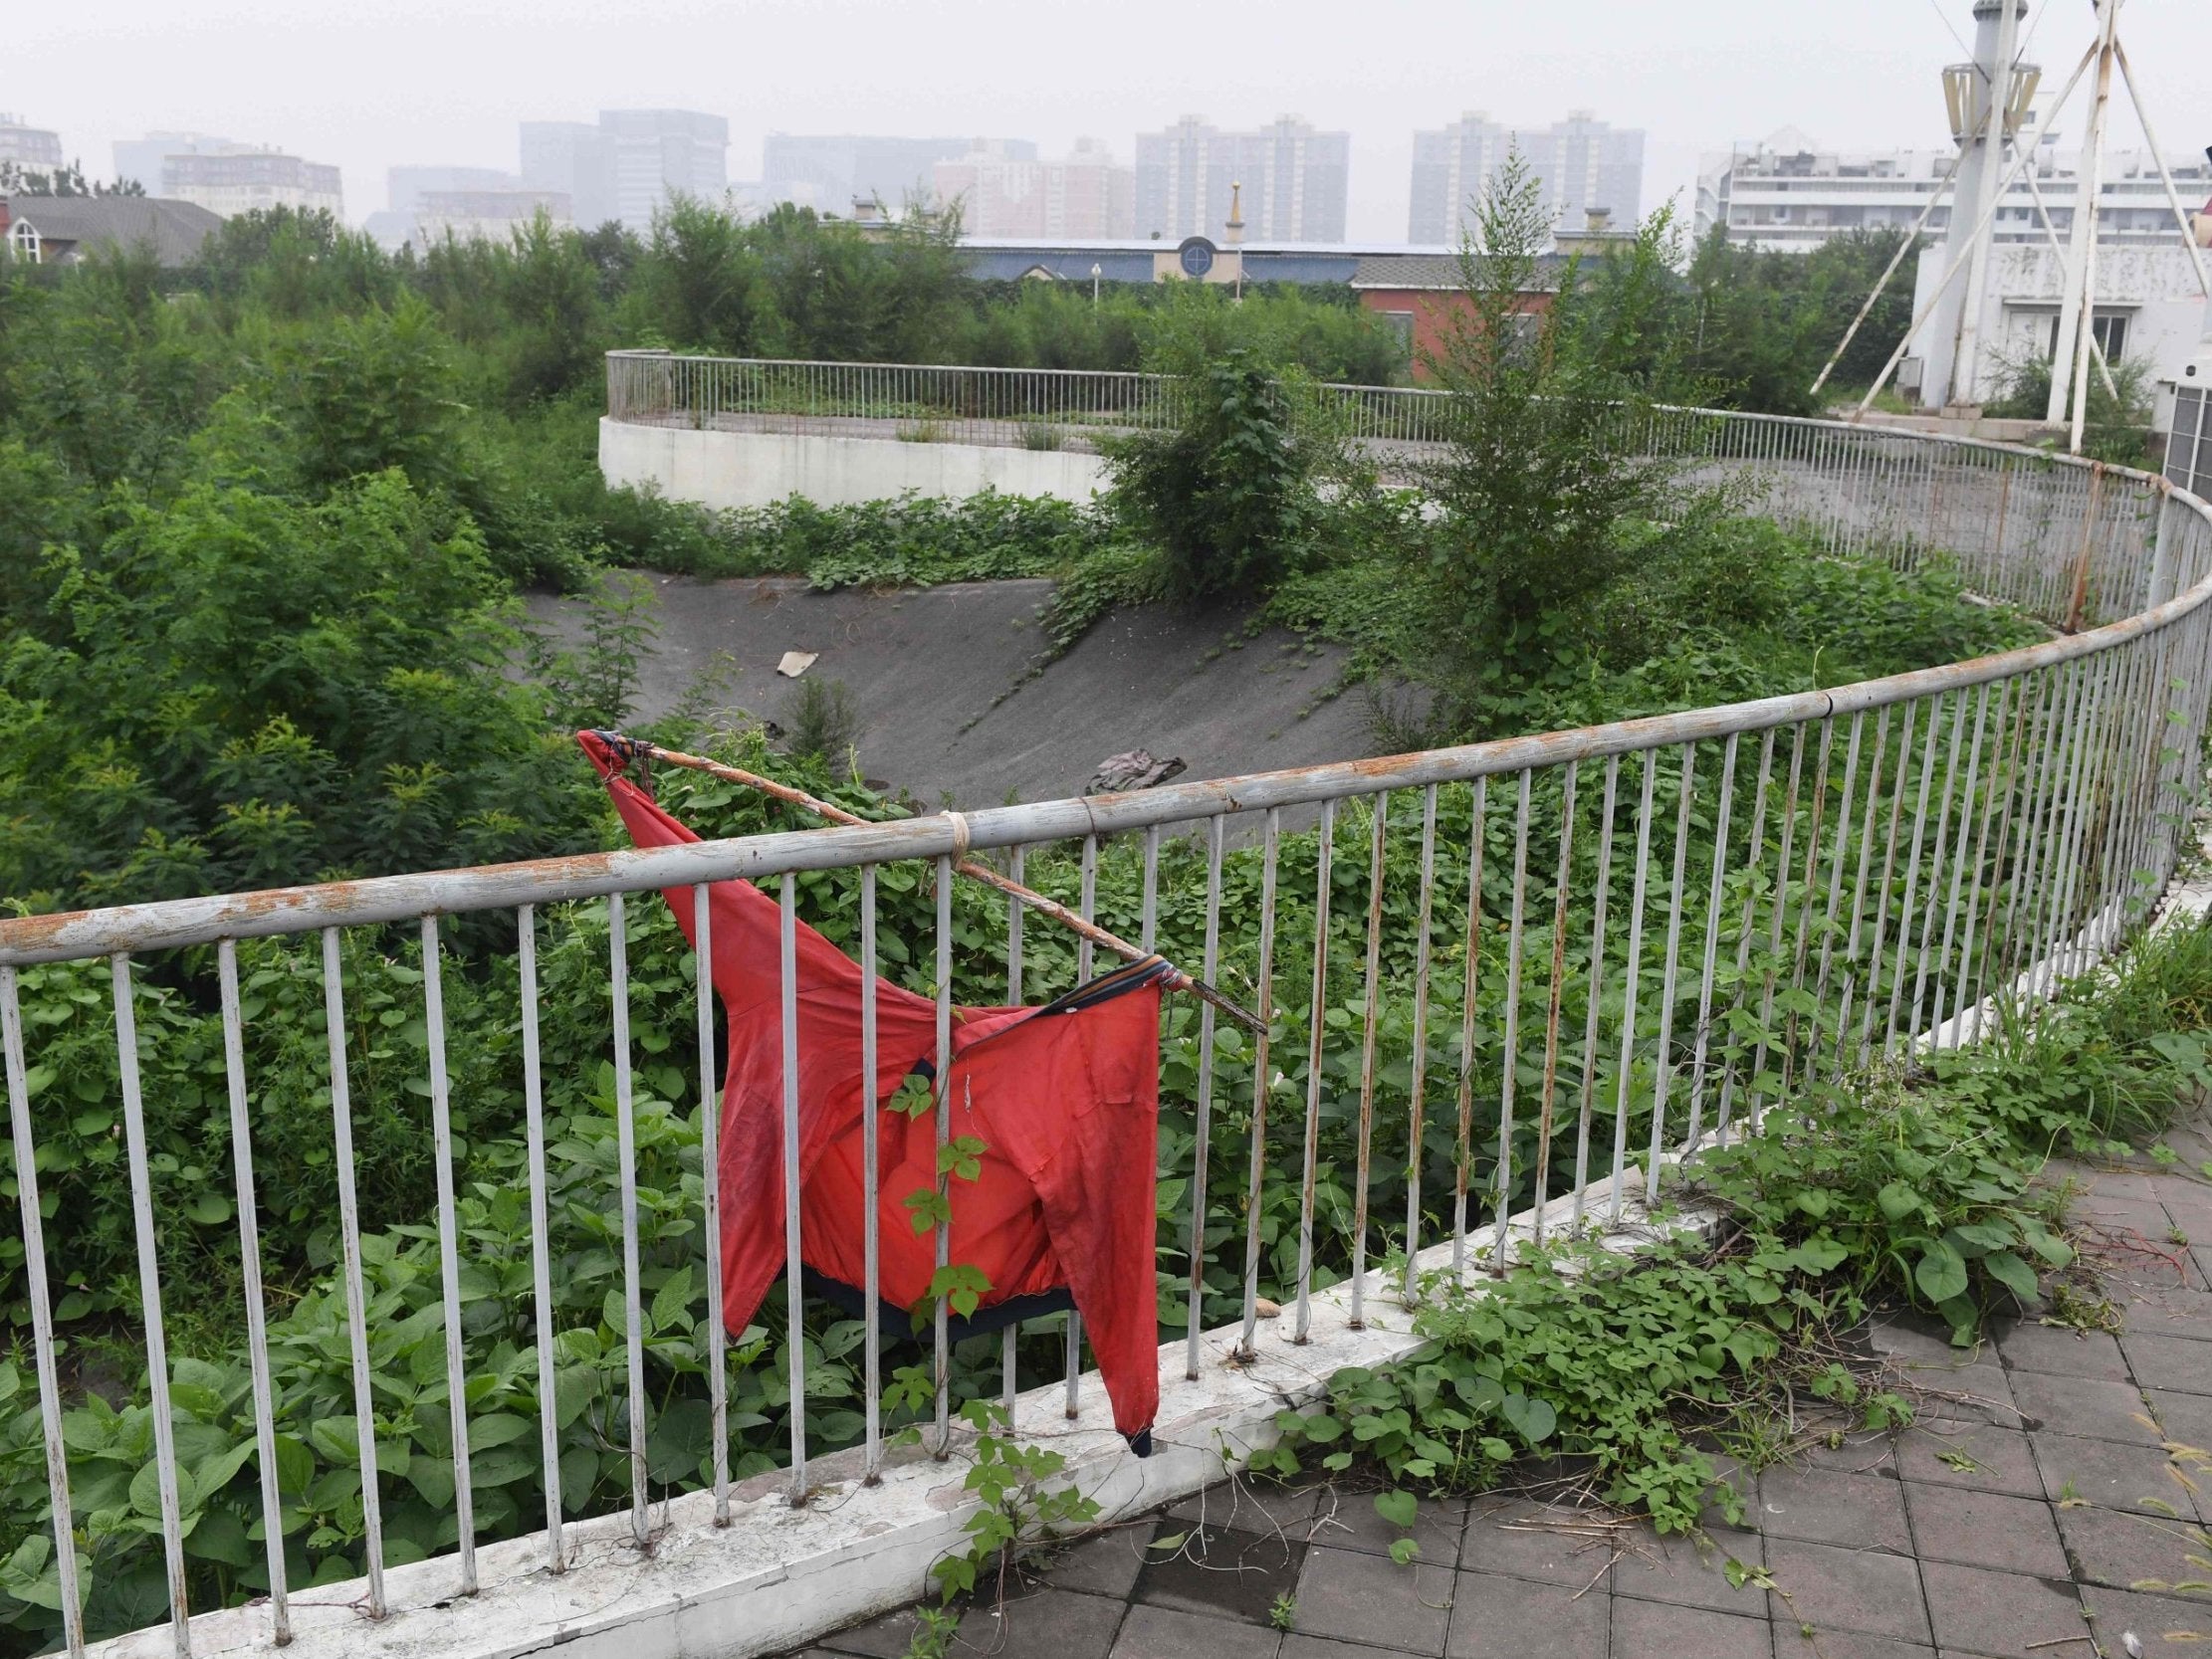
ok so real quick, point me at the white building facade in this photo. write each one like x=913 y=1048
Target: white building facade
x=1579 y=165
x=1790 y=193
x=630 y=164
x=27 y=146
x=239 y=179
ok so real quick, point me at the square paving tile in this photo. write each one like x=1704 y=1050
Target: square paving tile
x=1677 y=1570
x=2082 y=1406
x=1354 y=1596
x=2110 y=1475
x=1985 y=1529
x=1983 y=1613
x=2062 y=1352
x=2170 y=1313
x=2184 y=1417
x=2119 y=1550
x=1250 y=1506
x=1851 y=1589
x=1661 y=1630
x=1353 y=1522
x=888 y=1637
x=1548 y=1541
x=2168 y=1627
x=1050 y=1624
x=2180 y=1364
x=1295 y=1646
x=1164 y=1633
x=1865 y=1511
x=1106 y=1565
x=1496 y=1617
x=1218 y=1572
x=1791 y=1643
x=1862 y=1453
x=1976 y=1457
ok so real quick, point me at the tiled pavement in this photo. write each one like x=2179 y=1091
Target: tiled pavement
x=2036 y=1490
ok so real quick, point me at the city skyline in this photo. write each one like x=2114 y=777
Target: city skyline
x=1710 y=75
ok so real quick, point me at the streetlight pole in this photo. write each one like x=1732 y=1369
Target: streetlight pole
x=1096 y=273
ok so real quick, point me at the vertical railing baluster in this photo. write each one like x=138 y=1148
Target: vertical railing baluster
x=625 y=1138
x=1371 y=996
x=1264 y=1011
x=449 y=1255
x=1414 y=1123
x=1561 y=889
x=1624 y=1077
x=249 y=1259
x=1664 y=1062
x=941 y=1350
x=356 y=1299
x=710 y=1191
x=1593 y=1000
x=149 y=1302
x=541 y=1235
x=1501 y=1243
x=59 y=1512
x=871 y=1179
x=1203 y=1140
x=1694 y=1136
x=1464 y=1148
x=1316 y=1028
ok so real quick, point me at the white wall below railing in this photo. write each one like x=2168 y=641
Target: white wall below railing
x=720 y=468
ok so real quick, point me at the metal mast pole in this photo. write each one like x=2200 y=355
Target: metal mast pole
x=2077 y=314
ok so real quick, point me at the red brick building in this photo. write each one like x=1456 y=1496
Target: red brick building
x=1422 y=294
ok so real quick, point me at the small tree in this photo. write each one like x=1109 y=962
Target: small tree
x=1227 y=494
x=1553 y=381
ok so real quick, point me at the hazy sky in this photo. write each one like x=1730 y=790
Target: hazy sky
x=380 y=82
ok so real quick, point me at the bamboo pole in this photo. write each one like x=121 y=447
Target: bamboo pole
x=965 y=866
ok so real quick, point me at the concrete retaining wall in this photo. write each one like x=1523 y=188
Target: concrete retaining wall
x=753 y=469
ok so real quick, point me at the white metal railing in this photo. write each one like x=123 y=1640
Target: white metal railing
x=1700 y=912
x=924 y=402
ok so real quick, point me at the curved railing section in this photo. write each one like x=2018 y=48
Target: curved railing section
x=1491 y=977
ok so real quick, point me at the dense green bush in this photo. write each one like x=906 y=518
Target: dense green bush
x=1228 y=494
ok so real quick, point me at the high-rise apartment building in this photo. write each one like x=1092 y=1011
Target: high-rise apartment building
x=29 y=147
x=1296 y=180
x=1789 y=192
x=1579 y=164
x=139 y=159
x=1082 y=195
x=829 y=172
x=239 y=179
x=629 y=163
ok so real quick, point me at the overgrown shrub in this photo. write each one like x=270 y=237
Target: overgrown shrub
x=1228 y=494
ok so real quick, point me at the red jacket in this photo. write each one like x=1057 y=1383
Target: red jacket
x=1065 y=1098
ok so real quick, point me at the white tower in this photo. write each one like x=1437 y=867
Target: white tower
x=1991 y=82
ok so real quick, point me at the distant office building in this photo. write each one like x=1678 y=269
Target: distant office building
x=1579 y=164
x=1790 y=193
x=29 y=147
x=1084 y=194
x=139 y=159
x=658 y=153
x=627 y=165
x=404 y=187
x=484 y=215
x=237 y=179
x=831 y=171
x=1295 y=180
x=574 y=160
